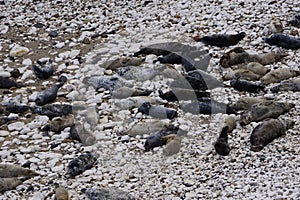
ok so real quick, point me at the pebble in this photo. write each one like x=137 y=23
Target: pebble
x=18 y=51
x=16 y=126
x=4 y=74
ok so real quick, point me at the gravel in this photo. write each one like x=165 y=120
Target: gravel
x=80 y=37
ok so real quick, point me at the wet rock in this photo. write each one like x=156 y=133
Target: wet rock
x=50 y=94
x=221 y=145
x=223 y=40
x=45 y=70
x=173 y=143
x=54 y=110
x=8 y=171
x=284 y=41
x=61 y=193
x=53 y=34
x=288 y=85
x=18 y=51
x=207 y=106
x=267 y=131
x=81 y=163
x=157 y=111
x=276 y=26
x=247 y=86
x=107 y=194
x=11 y=183
x=261 y=111
x=278 y=75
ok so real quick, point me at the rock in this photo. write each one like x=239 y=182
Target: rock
x=108 y=194
x=3 y=29
x=18 y=51
x=4 y=74
x=17 y=126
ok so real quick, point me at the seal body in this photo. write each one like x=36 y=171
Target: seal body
x=288 y=85
x=6 y=83
x=266 y=132
x=173 y=143
x=81 y=163
x=221 y=145
x=157 y=111
x=242 y=85
x=44 y=70
x=223 y=40
x=264 y=110
x=283 y=41
x=53 y=110
x=278 y=75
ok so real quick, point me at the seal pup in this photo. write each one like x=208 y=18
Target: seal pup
x=230 y=121
x=53 y=110
x=264 y=110
x=223 y=40
x=245 y=103
x=221 y=145
x=276 y=26
x=247 y=86
x=157 y=111
x=11 y=183
x=258 y=68
x=173 y=143
x=44 y=70
x=57 y=124
x=81 y=163
x=284 y=41
x=267 y=131
x=244 y=74
x=50 y=95
x=277 y=75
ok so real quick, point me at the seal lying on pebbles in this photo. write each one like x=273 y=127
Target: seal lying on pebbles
x=207 y=106
x=197 y=80
x=81 y=163
x=230 y=121
x=267 y=131
x=278 y=75
x=187 y=53
x=284 y=41
x=148 y=126
x=173 y=143
x=45 y=70
x=108 y=83
x=221 y=145
x=6 y=83
x=14 y=105
x=50 y=95
x=157 y=111
x=11 y=183
x=276 y=26
x=288 y=85
x=257 y=68
x=244 y=74
x=261 y=111
x=223 y=40
x=123 y=62
x=53 y=110
x=156 y=139
x=107 y=194
x=124 y=92
x=295 y=21
x=8 y=170
x=242 y=85
x=178 y=94
x=238 y=55
x=245 y=103
x=57 y=124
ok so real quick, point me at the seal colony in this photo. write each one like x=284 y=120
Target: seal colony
x=97 y=109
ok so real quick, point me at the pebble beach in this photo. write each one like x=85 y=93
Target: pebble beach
x=80 y=38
